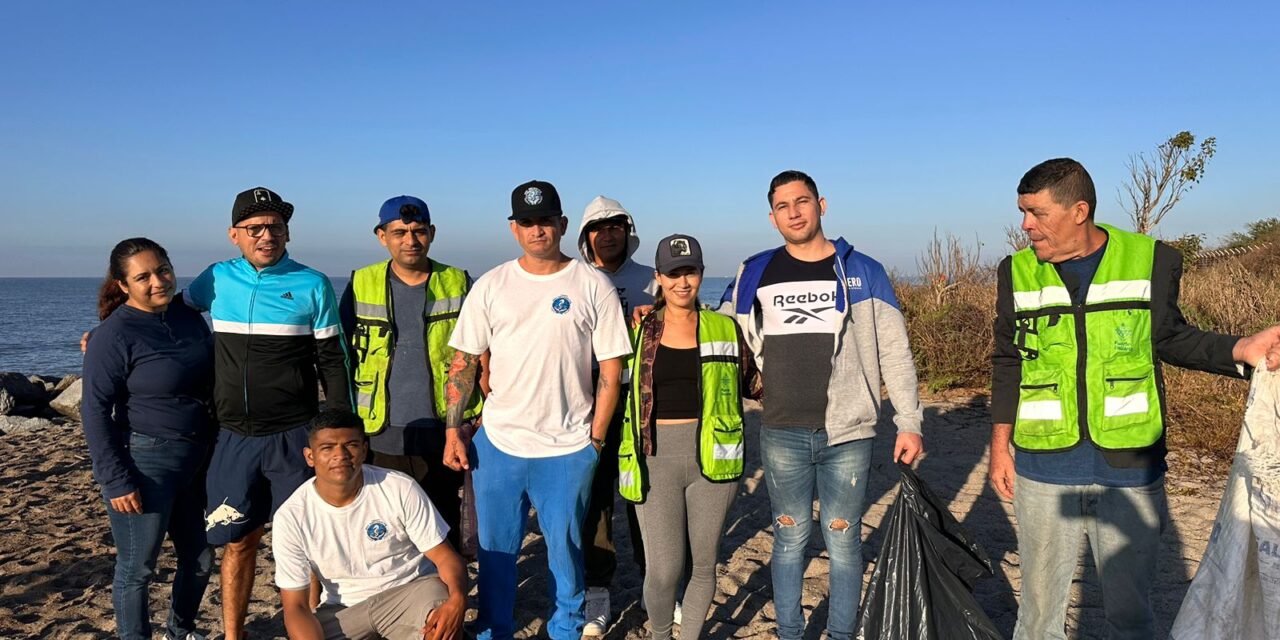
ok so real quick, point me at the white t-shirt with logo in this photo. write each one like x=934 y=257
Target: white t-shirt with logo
x=541 y=332
x=373 y=544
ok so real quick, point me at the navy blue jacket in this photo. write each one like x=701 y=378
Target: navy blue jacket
x=145 y=372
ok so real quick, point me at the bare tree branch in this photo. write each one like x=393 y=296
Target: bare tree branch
x=1158 y=183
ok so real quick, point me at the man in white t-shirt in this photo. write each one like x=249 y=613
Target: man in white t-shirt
x=374 y=541
x=542 y=317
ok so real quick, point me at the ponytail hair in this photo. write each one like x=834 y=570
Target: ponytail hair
x=659 y=300
x=110 y=297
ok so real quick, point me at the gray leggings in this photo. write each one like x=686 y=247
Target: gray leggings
x=680 y=503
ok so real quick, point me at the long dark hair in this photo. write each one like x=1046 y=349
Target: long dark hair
x=110 y=297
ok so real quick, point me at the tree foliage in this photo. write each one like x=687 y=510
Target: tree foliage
x=1158 y=181
x=1256 y=232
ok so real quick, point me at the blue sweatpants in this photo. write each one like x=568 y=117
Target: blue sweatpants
x=505 y=487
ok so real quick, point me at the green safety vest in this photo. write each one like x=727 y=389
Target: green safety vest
x=720 y=440
x=1088 y=370
x=374 y=339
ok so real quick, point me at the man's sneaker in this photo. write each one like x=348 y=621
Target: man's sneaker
x=675 y=617
x=599 y=612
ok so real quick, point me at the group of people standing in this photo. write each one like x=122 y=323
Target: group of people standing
x=555 y=383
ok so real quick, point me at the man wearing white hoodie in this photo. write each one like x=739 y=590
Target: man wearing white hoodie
x=607 y=239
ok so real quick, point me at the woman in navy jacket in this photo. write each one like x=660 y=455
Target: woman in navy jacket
x=148 y=373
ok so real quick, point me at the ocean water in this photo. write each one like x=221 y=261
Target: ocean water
x=41 y=320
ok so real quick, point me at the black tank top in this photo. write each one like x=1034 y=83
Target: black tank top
x=675 y=384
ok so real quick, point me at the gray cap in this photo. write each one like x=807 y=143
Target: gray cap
x=677 y=251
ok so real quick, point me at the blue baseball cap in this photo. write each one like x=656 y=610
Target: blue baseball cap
x=407 y=208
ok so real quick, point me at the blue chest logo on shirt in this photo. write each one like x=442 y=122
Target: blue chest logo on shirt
x=561 y=305
x=376 y=530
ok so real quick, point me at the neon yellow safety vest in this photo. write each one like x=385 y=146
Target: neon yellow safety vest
x=374 y=338
x=720 y=440
x=1088 y=370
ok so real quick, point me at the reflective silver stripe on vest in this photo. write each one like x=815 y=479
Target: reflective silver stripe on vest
x=365 y=400
x=709 y=349
x=1040 y=410
x=1119 y=290
x=1126 y=405
x=626 y=378
x=446 y=305
x=727 y=451
x=1046 y=297
x=627 y=479
x=367 y=310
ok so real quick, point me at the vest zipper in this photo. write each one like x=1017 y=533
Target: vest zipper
x=1082 y=359
x=697 y=339
x=391 y=350
x=1052 y=385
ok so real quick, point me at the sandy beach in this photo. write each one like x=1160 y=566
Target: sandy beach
x=56 y=556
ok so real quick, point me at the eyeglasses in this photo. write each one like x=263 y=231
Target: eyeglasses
x=255 y=230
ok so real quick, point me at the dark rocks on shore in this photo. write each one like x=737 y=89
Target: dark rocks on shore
x=34 y=401
x=18 y=392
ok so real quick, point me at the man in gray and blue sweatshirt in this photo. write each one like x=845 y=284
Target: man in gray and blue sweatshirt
x=826 y=329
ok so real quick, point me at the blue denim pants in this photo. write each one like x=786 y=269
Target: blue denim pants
x=171 y=481
x=798 y=460
x=1123 y=525
x=505 y=487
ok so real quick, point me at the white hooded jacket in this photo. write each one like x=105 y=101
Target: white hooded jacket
x=634 y=282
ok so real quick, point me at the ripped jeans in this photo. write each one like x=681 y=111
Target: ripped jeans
x=796 y=461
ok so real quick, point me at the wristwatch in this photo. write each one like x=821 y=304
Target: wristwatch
x=598 y=443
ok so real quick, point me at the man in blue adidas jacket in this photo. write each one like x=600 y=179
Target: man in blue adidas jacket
x=276 y=332
x=826 y=329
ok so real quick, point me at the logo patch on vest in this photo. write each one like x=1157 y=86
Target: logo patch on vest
x=1124 y=339
x=561 y=305
x=376 y=530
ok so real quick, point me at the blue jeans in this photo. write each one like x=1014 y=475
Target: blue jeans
x=1123 y=525
x=796 y=460
x=505 y=487
x=170 y=476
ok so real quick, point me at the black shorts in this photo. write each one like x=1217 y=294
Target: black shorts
x=249 y=478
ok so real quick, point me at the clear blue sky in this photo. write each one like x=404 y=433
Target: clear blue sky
x=129 y=118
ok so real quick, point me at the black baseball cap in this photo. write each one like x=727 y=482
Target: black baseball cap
x=535 y=199
x=677 y=251
x=256 y=200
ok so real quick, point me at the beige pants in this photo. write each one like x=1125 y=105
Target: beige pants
x=394 y=614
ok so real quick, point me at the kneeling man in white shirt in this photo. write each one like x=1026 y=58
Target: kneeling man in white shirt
x=373 y=539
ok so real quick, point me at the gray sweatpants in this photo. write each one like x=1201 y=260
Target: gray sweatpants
x=681 y=508
x=395 y=614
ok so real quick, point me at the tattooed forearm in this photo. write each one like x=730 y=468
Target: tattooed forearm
x=458 y=389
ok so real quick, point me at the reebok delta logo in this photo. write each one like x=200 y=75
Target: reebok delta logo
x=800 y=316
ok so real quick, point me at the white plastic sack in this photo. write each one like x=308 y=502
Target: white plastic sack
x=1236 y=591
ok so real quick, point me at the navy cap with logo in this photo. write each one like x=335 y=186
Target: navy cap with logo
x=677 y=251
x=406 y=208
x=535 y=199
x=251 y=202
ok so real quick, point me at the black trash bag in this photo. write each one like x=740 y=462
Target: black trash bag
x=922 y=585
